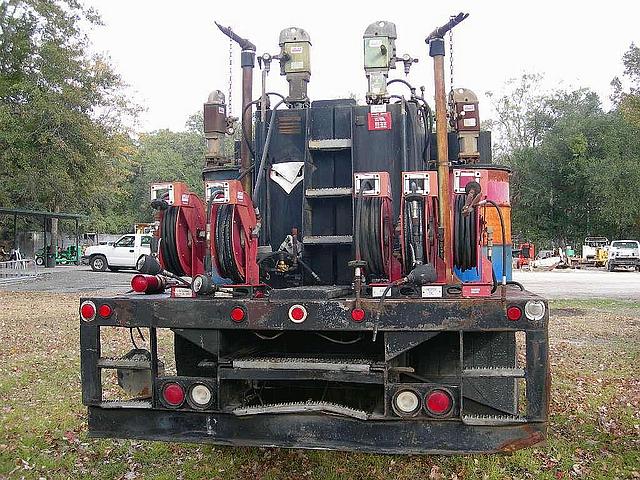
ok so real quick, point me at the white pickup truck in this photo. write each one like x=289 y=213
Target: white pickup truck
x=624 y=253
x=123 y=253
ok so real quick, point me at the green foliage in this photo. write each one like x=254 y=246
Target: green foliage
x=62 y=144
x=575 y=166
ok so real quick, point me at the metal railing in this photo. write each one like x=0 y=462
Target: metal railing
x=18 y=270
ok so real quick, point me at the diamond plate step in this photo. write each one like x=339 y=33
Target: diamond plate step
x=493 y=372
x=302 y=407
x=273 y=363
x=330 y=144
x=492 y=420
x=105 y=362
x=328 y=192
x=327 y=239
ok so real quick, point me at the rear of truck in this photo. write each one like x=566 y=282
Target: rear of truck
x=350 y=289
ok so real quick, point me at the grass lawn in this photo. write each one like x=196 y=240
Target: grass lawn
x=594 y=430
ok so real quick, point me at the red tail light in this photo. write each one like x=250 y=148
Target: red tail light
x=438 y=402
x=237 y=314
x=146 y=284
x=105 y=311
x=357 y=314
x=173 y=394
x=88 y=311
x=514 y=313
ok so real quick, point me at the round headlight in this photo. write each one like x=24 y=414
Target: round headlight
x=200 y=395
x=406 y=402
x=534 y=309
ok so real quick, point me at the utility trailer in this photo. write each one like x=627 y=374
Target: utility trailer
x=350 y=291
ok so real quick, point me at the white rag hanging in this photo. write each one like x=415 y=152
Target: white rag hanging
x=287 y=174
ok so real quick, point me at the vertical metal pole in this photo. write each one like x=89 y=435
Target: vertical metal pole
x=15 y=231
x=247 y=60
x=153 y=344
x=77 y=245
x=436 y=50
x=44 y=231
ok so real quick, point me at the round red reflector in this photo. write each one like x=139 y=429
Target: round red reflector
x=139 y=283
x=88 y=311
x=237 y=314
x=357 y=314
x=105 y=311
x=297 y=313
x=173 y=394
x=514 y=313
x=438 y=402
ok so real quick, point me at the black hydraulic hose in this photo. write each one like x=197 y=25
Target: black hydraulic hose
x=208 y=265
x=245 y=134
x=504 y=239
x=265 y=151
x=404 y=82
x=517 y=284
x=465 y=249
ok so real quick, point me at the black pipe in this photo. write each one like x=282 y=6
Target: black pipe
x=265 y=151
x=440 y=31
x=243 y=42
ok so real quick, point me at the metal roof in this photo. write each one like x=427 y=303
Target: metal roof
x=34 y=213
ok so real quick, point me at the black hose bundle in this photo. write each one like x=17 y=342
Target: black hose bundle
x=369 y=228
x=168 y=246
x=224 y=243
x=465 y=241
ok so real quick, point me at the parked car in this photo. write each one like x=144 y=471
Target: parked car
x=123 y=253
x=624 y=253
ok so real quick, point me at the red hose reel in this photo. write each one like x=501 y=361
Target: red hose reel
x=234 y=242
x=182 y=218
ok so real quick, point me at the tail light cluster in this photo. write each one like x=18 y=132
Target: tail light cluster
x=89 y=311
x=195 y=394
x=431 y=400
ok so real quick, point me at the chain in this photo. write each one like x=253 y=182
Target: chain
x=229 y=102
x=451 y=102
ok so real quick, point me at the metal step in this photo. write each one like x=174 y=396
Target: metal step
x=329 y=192
x=302 y=407
x=492 y=420
x=330 y=144
x=282 y=363
x=125 y=404
x=327 y=240
x=493 y=372
x=104 y=362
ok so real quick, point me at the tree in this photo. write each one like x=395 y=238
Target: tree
x=62 y=140
x=628 y=103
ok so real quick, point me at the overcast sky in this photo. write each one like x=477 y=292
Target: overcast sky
x=171 y=54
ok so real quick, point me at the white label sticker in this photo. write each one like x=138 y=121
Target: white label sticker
x=182 y=292
x=469 y=108
x=469 y=122
x=376 y=292
x=240 y=195
x=296 y=49
x=221 y=110
x=432 y=291
x=375 y=42
x=378 y=108
x=296 y=65
x=185 y=198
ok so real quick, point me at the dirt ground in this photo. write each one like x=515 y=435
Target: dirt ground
x=594 y=428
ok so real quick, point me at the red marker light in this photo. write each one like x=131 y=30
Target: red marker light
x=105 y=311
x=237 y=314
x=88 y=311
x=147 y=284
x=297 y=314
x=438 y=402
x=173 y=394
x=514 y=313
x=357 y=314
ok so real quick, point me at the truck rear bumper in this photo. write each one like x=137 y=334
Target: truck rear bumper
x=324 y=432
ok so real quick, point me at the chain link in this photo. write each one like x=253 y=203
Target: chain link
x=229 y=99
x=451 y=102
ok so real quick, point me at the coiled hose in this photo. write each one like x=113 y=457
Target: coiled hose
x=168 y=246
x=465 y=233
x=369 y=233
x=224 y=244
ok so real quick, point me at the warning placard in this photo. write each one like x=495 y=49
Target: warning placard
x=379 y=121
